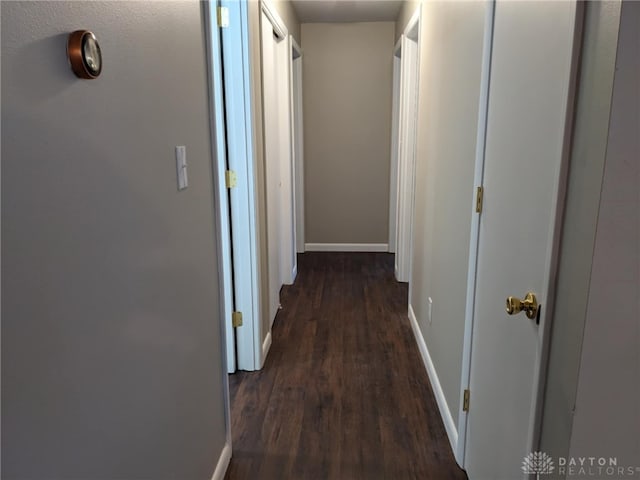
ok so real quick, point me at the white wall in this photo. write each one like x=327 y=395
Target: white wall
x=607 y=417
x=111 y=348
x=450 y=68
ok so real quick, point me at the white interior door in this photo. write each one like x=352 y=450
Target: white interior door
x=287 y=217
x=222 y=197
x=276 y=78
x=527 y=130
x=241 y=198
x=272 y=162
x=406 y=155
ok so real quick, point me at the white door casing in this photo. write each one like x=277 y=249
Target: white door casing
x=242 y=197
x=222 y=197
x=528 y=127
x=395 y=130
x=407 y=135
x=298 y=144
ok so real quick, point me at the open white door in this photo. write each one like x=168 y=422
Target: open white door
x=222 y=197
x=276 y=53
x=241 y=197
x=527 y=138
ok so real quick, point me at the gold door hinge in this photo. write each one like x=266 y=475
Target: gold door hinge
x=230 y=178
x=236 y=319
x=479 y=194
x=465 y=401
x=223 y=17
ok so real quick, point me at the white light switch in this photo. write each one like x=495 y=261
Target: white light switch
x=429 y=311
x=181 y=166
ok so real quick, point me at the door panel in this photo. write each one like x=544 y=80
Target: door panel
x=531 y=73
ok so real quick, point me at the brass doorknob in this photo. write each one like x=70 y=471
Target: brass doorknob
x=529 y=305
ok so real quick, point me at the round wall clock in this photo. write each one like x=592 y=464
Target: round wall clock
x=84 y=54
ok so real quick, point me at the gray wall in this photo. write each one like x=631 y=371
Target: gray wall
x=589 y=147
x=450 y=71
x=347 y=88
x=609 y=380
x=111 y=352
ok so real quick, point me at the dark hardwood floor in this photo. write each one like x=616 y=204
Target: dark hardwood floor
x=343 y=393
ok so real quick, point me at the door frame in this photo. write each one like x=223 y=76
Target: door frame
x=406 y=162
x=395 y=126
x=483 y=111
x=223 y=238
x=297 y=128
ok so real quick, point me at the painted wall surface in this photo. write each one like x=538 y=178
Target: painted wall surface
x=450 y=72
x=287 y=14
x=111 y=348
x=607 y=417
x=347 y=88
x=589 y=148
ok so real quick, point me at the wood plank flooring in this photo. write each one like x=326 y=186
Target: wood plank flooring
x=343 y=393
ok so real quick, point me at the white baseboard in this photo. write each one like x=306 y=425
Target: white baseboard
x=223 y=463
x=445 y=413
x=266 y=345
x=346 y=247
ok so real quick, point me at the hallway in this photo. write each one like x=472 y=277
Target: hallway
x=344 y=393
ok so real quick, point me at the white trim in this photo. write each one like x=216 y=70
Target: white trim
x=223 y=462
x=407 y=142
x=266 y=346
x=295 y=47
x=279 y=26
x=295 y=272
x=393 y=167
x=298 y=143
x=218 y=167
x=346 y=247
x=243 y=198
x=445 y=413
x=216 y=114
x=465 y=378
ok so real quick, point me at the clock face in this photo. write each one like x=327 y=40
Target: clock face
x=91 y=55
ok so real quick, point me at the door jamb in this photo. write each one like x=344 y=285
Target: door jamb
x=218 y=160
x=243 y=197
x=406 y=181
x=483 y=111
x=395 y=138
x=297 y=145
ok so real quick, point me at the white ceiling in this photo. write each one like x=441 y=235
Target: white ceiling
x=315 y=11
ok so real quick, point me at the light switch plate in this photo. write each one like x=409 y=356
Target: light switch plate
x=181 y=167
x=430 y=310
